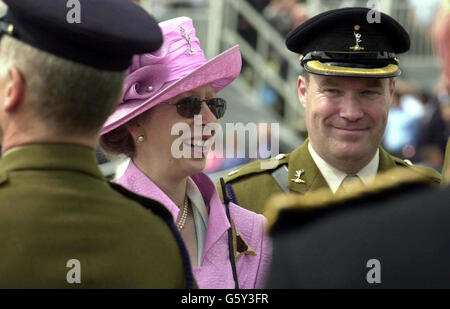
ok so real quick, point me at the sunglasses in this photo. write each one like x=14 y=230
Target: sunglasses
x=190 y=106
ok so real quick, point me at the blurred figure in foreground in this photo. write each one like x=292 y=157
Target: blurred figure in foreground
x=393 y=234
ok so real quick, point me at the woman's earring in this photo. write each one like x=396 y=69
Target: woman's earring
x=140 y=138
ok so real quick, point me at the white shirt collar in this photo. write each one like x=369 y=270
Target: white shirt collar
x=334 y=177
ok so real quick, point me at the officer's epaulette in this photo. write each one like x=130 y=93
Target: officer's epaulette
x=256 y=167
x=422 y=170
x=293 y=210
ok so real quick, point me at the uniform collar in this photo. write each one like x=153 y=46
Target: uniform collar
x=386 y=161
x=68 y=157
x=334 y=177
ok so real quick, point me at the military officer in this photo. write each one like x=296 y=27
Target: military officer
x=62 y=224
x=391 y=234
x=346 y=88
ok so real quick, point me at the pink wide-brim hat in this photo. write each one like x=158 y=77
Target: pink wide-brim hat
x=177 y=67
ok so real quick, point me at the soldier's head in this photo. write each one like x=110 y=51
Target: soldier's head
x=61 y=74
x=58 y=97
x=348 y=82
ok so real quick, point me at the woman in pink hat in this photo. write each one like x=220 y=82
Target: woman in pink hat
x=226 y=243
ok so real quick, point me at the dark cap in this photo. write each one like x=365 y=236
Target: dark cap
x=108 y=34
x=343 y=42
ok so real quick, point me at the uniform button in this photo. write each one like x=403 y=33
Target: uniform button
x=233 y=172
x=408 y=162
x=280 y=156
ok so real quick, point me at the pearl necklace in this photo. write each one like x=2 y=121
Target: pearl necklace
x=184 y=213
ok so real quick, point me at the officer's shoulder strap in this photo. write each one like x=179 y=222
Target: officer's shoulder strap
x=281 y=174
x=257 y=167
x=422 y=170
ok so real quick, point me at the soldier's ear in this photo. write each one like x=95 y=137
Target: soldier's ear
x=392 y=87
x=14 y=90
x=301 y=90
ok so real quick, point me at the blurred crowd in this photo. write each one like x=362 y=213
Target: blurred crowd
x=418 y=125
x=419 y=120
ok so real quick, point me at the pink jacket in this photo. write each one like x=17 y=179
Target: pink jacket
x=216 y=272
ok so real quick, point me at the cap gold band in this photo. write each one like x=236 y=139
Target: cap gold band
x=315 y=65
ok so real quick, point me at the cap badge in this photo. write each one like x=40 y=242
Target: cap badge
x=188 y=39
x=298 y=174
x=357 y=39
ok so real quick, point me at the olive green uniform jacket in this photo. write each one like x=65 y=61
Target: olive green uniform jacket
x=56 y=206
x=252 y=185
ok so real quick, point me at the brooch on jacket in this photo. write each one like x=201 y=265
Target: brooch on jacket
x=240 y=246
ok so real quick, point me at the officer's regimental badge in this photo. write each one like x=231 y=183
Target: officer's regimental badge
x=298 y=175
x=357 y=39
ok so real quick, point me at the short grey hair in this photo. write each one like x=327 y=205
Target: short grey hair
x=72 y=98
